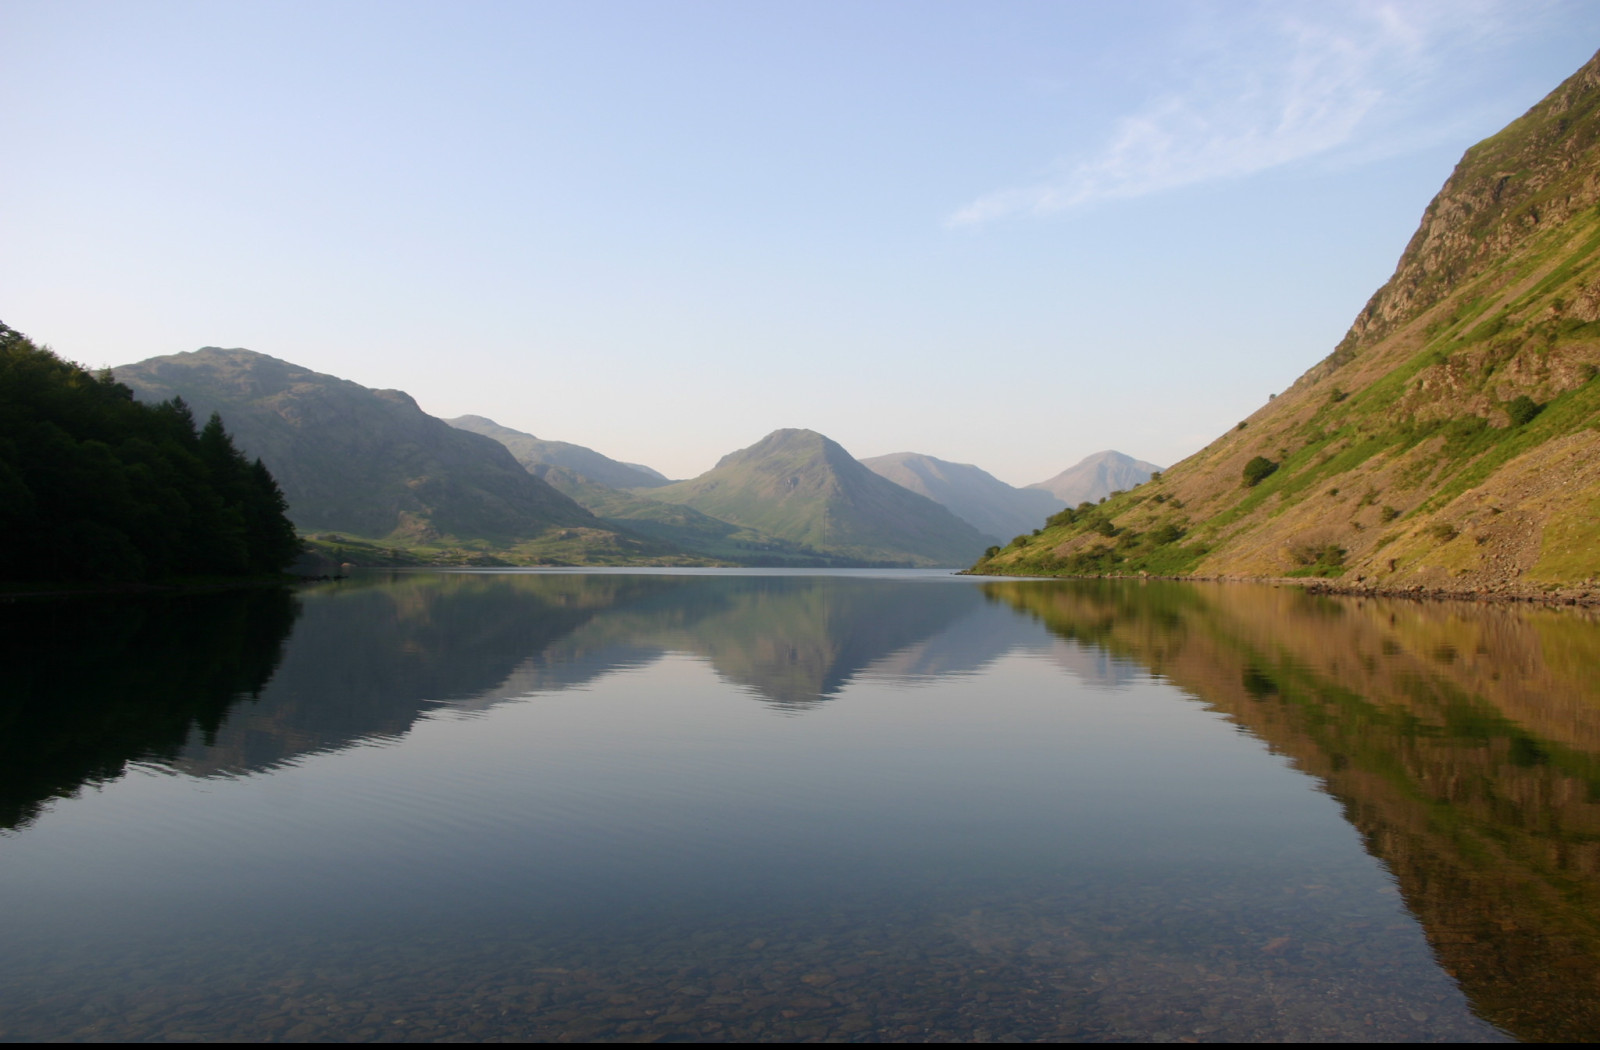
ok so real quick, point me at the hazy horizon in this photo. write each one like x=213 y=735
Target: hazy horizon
x=1010 y=237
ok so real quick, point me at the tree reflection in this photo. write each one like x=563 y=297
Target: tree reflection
x=90 y=685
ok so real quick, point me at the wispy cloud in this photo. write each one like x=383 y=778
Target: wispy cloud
x=1287 y=84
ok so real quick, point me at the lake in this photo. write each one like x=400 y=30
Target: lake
x=748 y=805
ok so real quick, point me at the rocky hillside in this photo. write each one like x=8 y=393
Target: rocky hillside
x=533 y=452
x=1095 y=477
x=977 y=497
x=1452 y=439
x=799 y=486
x=370 y=463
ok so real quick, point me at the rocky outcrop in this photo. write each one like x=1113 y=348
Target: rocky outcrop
x=1536 y=174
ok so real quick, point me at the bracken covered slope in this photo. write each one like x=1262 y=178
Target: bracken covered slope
x=1450 y=442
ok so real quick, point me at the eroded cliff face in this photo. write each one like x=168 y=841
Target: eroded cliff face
x=1451 y=441
x=1463 y=742
x=1537 y=174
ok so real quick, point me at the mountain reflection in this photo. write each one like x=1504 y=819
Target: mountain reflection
x=794 y=641
x=369 y=656
x=217 y=684
x=1463 y=741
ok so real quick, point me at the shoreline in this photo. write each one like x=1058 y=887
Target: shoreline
x=122 y=590
x=1556 y=595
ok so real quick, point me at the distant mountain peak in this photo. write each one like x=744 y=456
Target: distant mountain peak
x=996 y=509
x=534 y=452
x=1097 y=475
x=803 y=486
x=462 y=423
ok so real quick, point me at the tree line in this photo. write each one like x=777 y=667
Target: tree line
x=95 y=486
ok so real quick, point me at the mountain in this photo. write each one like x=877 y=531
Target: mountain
x=800 y=486
x=649 y=472
x=1096 y=476
x=1450 y=440
x=531 y=451
x=679 y=525
x=977 y=497
x=360 y=461
x=600 y=485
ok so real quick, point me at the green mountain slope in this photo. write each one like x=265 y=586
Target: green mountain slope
x=1451 y=440
x=531 y=452
x=975 y=496
x=681 y=526
x=370 y=462
x=800 y=486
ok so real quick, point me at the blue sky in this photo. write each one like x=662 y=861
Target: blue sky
x=1010 y=234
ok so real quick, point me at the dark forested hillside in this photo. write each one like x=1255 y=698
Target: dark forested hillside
x=95 y=486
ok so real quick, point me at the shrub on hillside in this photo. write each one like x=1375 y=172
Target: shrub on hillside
x=1168 y=533
x=1257 y=470
x=1522 y=409
x=1320 y=559
x=1062 y=518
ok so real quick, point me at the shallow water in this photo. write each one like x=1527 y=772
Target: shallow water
x=852 y=806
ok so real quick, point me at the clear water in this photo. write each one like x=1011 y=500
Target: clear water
x=747 y=805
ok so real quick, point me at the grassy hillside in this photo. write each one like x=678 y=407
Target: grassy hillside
x=1450 y=441
x=799 y=486
x=975 y=496
x=683 y=527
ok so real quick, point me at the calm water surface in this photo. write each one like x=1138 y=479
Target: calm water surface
x=851 y=806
